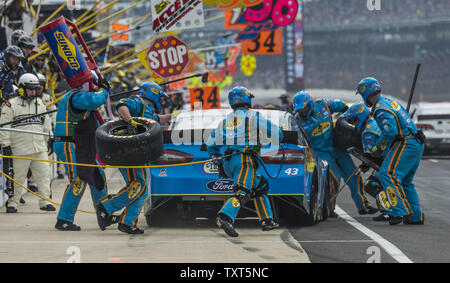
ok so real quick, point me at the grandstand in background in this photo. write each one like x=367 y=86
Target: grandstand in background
x=345 y=41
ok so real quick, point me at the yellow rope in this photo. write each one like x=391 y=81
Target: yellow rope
x=39 y=196
x=107 y=166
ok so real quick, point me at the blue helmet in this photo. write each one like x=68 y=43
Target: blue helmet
x=367 y=87
x=357 y=111
x=152 y=92
x=240 y=95
x=301 y=100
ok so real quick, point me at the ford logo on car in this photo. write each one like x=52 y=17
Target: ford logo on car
x=220 y=186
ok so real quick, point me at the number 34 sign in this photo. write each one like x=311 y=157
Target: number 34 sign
x=205 y=97
x=266 y=42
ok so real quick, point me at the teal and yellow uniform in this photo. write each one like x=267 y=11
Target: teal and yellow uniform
x=74 y=134
x=318 y=126
x=240 y=134
x=132 y=196
x=403 y=158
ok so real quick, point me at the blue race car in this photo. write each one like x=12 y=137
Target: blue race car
x=299 y=194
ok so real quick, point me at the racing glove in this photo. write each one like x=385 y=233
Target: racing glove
x=364 y=167
x=50 y=146
x=105 y=84
x=132 y=126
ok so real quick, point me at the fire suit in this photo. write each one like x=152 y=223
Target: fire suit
x=27 y=145
x=242 y=133
x=133 y=195
x=76 y=122
x=319 y=129
x=8 y=78
x=374 y=144
x=401 y=162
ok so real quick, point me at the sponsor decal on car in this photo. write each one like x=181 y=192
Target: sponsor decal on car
x=210 y=168
x=220 y=186
x=162 y=173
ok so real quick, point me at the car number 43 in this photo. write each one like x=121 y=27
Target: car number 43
x=291 y=171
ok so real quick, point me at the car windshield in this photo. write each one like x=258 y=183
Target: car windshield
x=194 y=120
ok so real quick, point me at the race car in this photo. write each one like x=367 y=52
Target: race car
x=434 y=120
x=298 y=194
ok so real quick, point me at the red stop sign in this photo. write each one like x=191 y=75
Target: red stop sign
x=168 y=56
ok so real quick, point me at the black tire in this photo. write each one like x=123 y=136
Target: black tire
x=326 y=198
x=129 y=150
x=312 y=217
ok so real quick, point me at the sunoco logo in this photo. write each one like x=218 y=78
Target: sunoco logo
x=66 y=50
x=220 y=186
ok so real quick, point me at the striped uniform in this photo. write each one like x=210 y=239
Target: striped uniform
x=401 y=162
x=319 y=129
x=133 y=195
x=74 y=111
x=242 y=132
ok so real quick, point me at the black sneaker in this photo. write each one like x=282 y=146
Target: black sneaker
x=362 y=212
x=115 y=219
x=382 y=217
x=269 y=224
x=226 y=224
x=372 y=210
x=130 y=230
x=333 y=215
x=103 y=218
x=48 y=207
x=11 y=209
x=407 y=221
x=395 y=220
x=60 y=176
x=22 y=201
x=64 y=225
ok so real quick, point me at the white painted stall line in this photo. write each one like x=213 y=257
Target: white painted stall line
x=390 y=248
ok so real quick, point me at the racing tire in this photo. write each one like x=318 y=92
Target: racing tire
x=326 y=198
x=117 y=149
x=312 y=217
x=296 y=217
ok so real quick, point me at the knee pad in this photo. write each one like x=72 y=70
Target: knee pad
x=373 y=186
x=262 y=188
x=243 y=198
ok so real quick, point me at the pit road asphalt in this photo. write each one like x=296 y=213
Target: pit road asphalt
x=29 y=236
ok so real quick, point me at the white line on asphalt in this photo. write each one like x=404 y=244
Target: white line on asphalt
x=391 y=249
x=338 y=241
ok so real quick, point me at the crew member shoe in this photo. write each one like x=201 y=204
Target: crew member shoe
x=269 y=224
x=395 y=220
x=115 y=219
x=372 y=210
x=226 y=224
x=407 y=220
x=48 y=207
x=103 y=218
x=11 y=209
x=333 y=215
x=130 y=230
x=382 y=217
x=22 y=201
x=64 y=225
x=362 y=212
